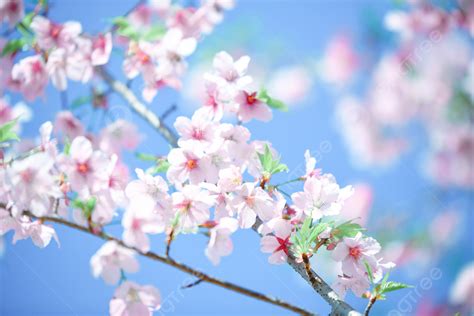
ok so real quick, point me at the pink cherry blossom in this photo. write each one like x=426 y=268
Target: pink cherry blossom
x=140 y=219
x=67 y=124
x=33 y=184
x=11 y=11
x=101 y=49
x=355 y=252
x=462 y=289
x=30 y=77
x=220 y=244
x=321 y=197
x=251 y=201
x=139 y=59
x=252 y=108
x=85 y=168
x=291 y=84
x=279 y=243
x=57 y=68
x=197 y=132
x=310 y=166
x=50 y=34
x=192 y=206
x=110 y=260
x=229 y=72
x=151 y=190
x=39 y=233
x=118 y=136
x=358 y=285
x=357 y=207
x=131 y=299
x=340 y=61
x=186 y=164
x=173 y=48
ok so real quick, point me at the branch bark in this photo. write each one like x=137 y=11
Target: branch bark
x=338 y=306
x=175 y=264
x=140 y=108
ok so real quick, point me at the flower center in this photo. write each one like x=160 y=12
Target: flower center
x=82 y=167
x=191 y=164
x=55 y=30
x=355 y=252
x=198 y=134
x=284 y=244
x=251 y=98
x=36 y=67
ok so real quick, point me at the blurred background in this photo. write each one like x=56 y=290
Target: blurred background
x=381 y=94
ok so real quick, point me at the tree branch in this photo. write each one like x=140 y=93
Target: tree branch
x=171 y=262
x=369 y=306
x=140 y=108
x=339 y=307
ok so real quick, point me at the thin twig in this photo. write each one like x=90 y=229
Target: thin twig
x=138 y=107
x=170 y=110
x=190 y=285
x=171 y=262
x=369 y=306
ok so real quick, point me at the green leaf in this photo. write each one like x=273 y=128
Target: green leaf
x=369 y=272
x=306 y=236
x=154 y=33
x=270 y=165
x=161 y=166
x=81 y=101
x=28 y=19
x=87 y=207
x=271 y=102
x=7 y=133
x=347 y=229
x=391 y=286
x=120 y=22
x=13 y=46
x=146 y=157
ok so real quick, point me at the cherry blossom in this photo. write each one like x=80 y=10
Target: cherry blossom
x=187 y=164
x=118 y=136
x=11 y=11
x=110 y=260
x=192 y=206
x=30 y=77
x=252 y=108
x=33 y=186
x=220 y=244
x=354 y=252
x=39 y=233
x=67 y=124
x=250 y=201
x=230 y=73
x=50 y=34
x=279 y=243
x=133 y=299
x=198 y=132
x=321 y=197
x=85 y=168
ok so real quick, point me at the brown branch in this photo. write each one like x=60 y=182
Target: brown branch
x=140 y=108
x=338 y=306
x=171 y=262
x=369 y=306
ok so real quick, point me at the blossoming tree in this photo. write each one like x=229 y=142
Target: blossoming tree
x=215 y=180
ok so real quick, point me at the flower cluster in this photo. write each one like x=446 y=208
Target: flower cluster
x=427 y=78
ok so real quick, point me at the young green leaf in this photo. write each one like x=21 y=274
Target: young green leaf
x=81 y=101
x=347 y=229
x=369 y=272
x=391 y=286
x=13 y=46
x=271 y=102
x=7 y=133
